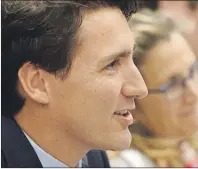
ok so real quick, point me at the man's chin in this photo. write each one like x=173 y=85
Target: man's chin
x=120 y=147
x=122 y=143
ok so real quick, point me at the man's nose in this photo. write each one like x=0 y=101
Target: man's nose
x=134 y=84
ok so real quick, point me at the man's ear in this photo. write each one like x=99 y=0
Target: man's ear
x=34 y=84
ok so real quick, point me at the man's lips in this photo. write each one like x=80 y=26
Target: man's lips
x=122 y=112
x=124 y=116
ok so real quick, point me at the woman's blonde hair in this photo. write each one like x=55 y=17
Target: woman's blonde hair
x=150 y=27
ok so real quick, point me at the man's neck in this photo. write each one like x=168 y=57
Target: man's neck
x=59 y=144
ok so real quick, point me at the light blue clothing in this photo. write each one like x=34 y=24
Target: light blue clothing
x=46 y=159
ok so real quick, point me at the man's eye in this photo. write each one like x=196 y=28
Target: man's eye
x=113 y=64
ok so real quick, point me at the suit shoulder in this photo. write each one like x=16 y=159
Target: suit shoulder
x=105 y=159
x=3 y=160
x=98 y=158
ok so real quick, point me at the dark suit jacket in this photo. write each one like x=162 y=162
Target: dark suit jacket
x=17 y=152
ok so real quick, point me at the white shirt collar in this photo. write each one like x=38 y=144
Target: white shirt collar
x=46 y=159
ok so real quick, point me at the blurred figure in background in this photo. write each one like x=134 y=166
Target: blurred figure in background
x=185 y=13
x=169 y=114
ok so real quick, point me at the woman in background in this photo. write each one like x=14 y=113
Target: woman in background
x=164 y=134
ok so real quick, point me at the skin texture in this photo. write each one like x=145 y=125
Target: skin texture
x=165 y=118
x=180 y=11
x=71 y=116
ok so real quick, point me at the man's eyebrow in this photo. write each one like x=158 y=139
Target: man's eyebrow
x=122 y=53
x=115 y=55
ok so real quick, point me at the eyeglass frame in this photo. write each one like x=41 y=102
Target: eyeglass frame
x=165 y=87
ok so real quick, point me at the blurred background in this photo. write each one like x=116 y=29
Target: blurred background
x=166 y=121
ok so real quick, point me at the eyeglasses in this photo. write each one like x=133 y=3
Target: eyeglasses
x=176 y=88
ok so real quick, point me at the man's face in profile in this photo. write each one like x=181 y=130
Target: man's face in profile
x=102 y=80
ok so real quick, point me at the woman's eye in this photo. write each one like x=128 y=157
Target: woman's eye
x=113 y=64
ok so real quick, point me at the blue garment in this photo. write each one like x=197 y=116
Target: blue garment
x=45 y=158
